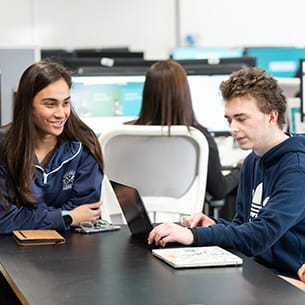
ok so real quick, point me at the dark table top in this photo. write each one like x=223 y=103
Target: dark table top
x=112 y=268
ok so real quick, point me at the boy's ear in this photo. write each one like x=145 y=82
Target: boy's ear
x=273 y=117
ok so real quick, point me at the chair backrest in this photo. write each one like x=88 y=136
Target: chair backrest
x=169 y=171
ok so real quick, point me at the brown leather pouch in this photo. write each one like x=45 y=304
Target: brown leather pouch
x=38 y=237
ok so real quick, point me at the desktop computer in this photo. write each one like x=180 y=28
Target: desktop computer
x=278 y=61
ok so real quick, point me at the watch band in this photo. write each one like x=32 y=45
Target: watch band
x=67 y=219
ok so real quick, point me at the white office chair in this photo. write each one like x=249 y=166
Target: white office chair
x=168 y=171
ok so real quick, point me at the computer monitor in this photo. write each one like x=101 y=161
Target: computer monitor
x=55 y=53
x=290 y=86
x=244 y=61
x=203 y=53
x=278 y=61
x=208 y=103
x=107 y=53
x=104 y=64
x=76 y=63
x=107 y=99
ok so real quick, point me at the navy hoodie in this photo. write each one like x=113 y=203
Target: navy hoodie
x=270 y=214
x=71 y=177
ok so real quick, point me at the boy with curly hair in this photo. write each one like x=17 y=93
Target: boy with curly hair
x=269 y=224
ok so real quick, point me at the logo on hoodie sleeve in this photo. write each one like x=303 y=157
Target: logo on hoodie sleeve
x=68 y=180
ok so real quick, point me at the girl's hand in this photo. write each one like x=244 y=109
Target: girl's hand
x=86 y=212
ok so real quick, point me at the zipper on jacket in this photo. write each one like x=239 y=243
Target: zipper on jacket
x=45 y=175
x=45 y=178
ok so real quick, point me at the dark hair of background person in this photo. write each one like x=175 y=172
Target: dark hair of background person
x=17 y=145
x=167 y=101
x=166 y=96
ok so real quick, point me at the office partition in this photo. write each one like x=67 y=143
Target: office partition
x=12 y=64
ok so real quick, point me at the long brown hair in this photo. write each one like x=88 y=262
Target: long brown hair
x=166 y=96
x=17 y=145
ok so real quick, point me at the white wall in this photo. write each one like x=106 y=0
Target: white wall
x=150 y=25
x=243 y=22
x=140 y=24
x=16 y=23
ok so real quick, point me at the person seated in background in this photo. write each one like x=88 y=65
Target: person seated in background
x=167 y=101
x=51 y=162
x=270 y=221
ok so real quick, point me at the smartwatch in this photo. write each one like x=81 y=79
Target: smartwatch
x=67 y=219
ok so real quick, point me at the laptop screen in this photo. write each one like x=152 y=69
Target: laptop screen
x=133 y=209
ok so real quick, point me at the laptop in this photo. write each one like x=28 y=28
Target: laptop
x=133 y=209
x=182 y=256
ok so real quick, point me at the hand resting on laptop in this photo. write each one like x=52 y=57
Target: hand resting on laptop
x=168 y=232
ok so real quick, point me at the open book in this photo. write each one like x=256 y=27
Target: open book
x=188 y=257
